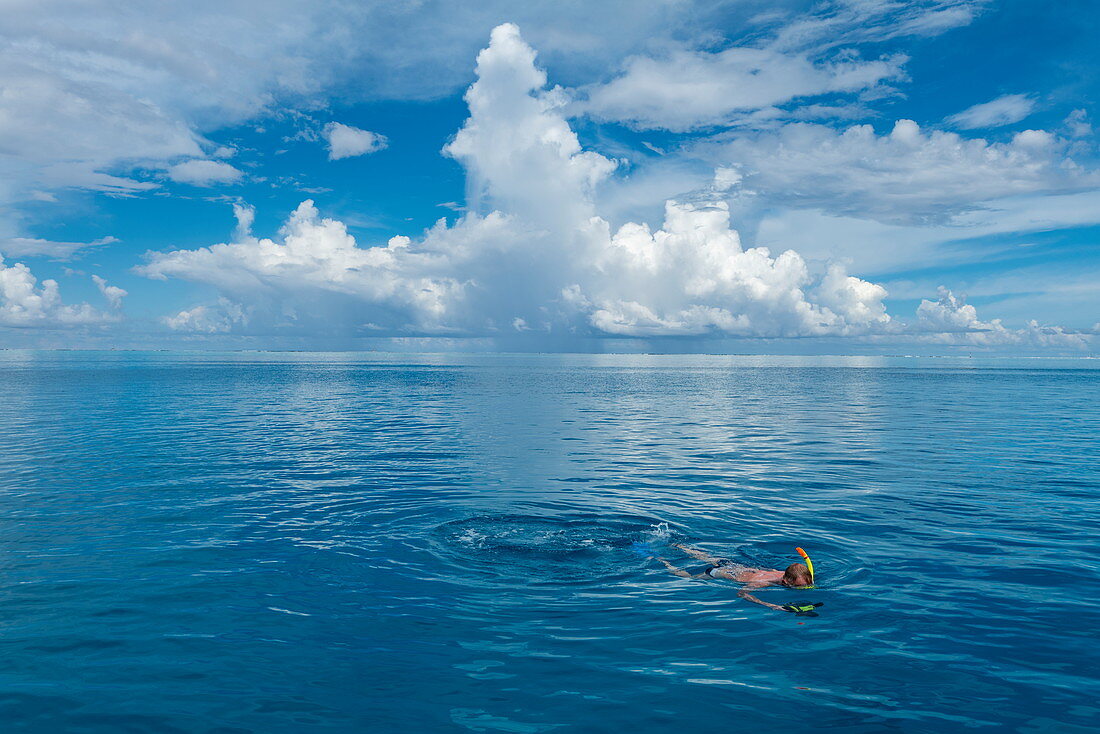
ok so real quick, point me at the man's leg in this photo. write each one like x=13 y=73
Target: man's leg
x=679 y=571
x=696 y=553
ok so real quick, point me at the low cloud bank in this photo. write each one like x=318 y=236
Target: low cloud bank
x=951 y=320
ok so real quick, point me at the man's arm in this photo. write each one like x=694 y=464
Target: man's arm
x=744 y=594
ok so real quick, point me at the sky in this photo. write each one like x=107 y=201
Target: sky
x=841 y=176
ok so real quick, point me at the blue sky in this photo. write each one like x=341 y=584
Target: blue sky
x=852 y=176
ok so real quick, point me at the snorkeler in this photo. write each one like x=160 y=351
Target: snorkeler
x=796 y=575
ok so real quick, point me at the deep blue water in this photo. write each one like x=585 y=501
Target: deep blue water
x=397 y=543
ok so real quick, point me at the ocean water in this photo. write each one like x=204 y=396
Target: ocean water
x=412 y=543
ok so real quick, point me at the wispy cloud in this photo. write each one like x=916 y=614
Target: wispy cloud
x=53 y=249
x=690 y=89
x=200 y=172
x=1002 y=111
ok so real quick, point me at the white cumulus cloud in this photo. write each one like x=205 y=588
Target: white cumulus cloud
x=345 y=141
x=219 y=318
x=25 y=303
x=907 y=175
x=951 y=320
x=112 y=293
x=519 y=152
x=692 y=276
x=317 y=269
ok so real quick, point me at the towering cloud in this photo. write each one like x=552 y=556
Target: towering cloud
x=520 y=154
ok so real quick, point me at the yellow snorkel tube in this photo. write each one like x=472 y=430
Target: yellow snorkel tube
x=809 y=567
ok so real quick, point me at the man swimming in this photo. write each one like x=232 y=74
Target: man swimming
x=797 y=574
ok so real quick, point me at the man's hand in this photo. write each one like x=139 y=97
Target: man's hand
x=802 y=608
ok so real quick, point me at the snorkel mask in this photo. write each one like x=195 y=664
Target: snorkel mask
x=809 y=567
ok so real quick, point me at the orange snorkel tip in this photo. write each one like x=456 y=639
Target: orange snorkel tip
x=809 y=565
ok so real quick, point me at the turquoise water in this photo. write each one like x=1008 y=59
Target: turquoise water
x=329 y=542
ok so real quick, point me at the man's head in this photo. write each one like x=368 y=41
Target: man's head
x=797 y=575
